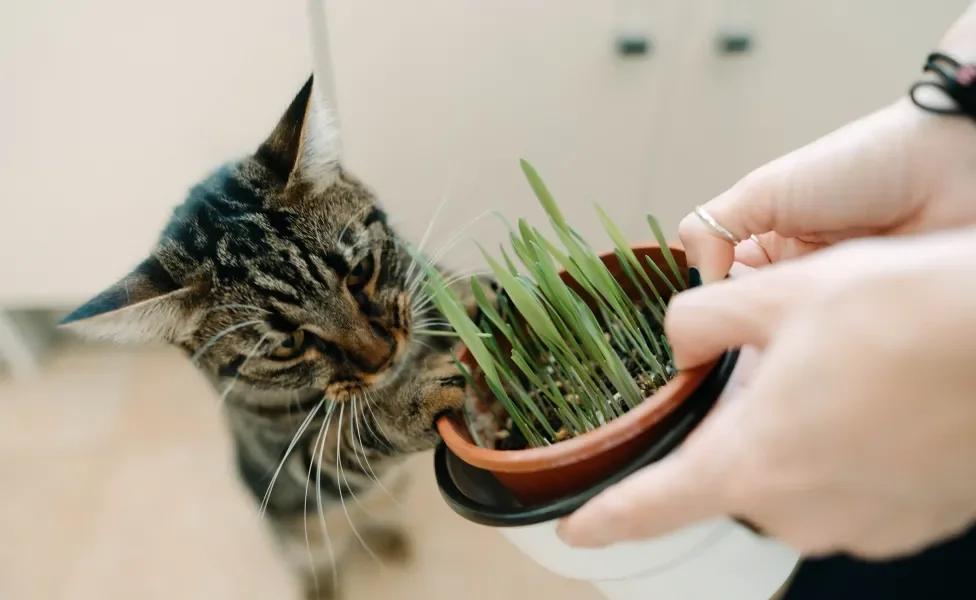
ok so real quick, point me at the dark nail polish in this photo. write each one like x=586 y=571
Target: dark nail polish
x=750 y=526
x=694 y=277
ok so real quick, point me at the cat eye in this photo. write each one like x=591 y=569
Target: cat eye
x=360 y=275
x=290 y=347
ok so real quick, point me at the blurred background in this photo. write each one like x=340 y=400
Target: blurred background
x=115 y=471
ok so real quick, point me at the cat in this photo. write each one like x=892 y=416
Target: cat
x=280 y=277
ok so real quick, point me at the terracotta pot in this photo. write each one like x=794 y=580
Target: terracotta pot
x=539 y=475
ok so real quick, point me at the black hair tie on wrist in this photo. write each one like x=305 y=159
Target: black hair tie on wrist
x=955 y=80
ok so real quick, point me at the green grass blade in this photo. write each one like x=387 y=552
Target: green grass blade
x=679 y=281
x=542 y=193
x=657 y=270
x=627 y=252
x=524 y=301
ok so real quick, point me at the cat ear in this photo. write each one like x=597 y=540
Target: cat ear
x=305 y=144
x=144 y=306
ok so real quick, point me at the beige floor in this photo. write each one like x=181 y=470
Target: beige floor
x=115 y=482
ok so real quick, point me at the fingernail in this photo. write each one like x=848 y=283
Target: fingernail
x=694 y=277
x=750 y=526
x=575 y=541
x=561 y=532
x=565 y=536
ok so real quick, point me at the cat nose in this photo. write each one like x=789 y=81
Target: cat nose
x=373 y=355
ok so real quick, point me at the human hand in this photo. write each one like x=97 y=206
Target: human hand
x=897 y=171
x=856 y=431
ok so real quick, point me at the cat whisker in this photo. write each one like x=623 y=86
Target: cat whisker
x=291 y=446
x=237 y=306
x=433 y=219
x=359 y=435
x=196 y=356
x=424 y=344
x=450 y=281
x=454 y=239
x=463 y=274
x=409 y=279
x=412 y=282
x=434 y=327
x=356 y=409
x=437 y=333
x=431 y=322
x=369 y=406
x=433 y=330
x=320 y=445
x=342 y=500
x=342 y=440
x=446 y=246
x=230 y=386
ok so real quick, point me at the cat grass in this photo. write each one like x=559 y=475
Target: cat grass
x=556 y=362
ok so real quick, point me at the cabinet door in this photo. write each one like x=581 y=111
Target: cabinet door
x=442 y=97
x=814 y=65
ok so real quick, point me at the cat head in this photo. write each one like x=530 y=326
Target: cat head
x=279 y=270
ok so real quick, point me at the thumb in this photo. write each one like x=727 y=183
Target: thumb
x=688 y=486
x=704 y=322
x=828 y=185
x=744 y=210
x=660 y=498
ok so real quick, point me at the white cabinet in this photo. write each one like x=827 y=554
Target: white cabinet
x=814 y=65
x=444 y=96
x=110 y=110
x=468 y=86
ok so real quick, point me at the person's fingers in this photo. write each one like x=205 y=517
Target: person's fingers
x=752 y=253
x=841 y=181
x=768 y=248
x=686 y=487
x=656 y=500
x=710 y=254
x=704 y=322
x=744 y=210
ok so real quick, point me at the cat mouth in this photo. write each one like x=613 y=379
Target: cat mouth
x=343 y=391
x=350 y=389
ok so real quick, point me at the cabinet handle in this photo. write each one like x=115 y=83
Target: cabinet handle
x=736 y=36
x=734 y=43
x=634 y=45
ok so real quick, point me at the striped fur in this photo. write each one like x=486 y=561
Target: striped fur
x=281 y=279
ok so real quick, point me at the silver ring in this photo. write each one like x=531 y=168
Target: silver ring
x=715 y=226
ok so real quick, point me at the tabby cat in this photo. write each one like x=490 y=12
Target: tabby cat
x=282 y=280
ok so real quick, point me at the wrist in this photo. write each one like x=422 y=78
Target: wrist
x=947 y=86
x=940 y=153
x=960 y=41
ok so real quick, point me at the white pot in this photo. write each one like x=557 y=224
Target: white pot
x=717 y=559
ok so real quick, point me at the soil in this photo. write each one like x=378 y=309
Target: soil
x=509 y=437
